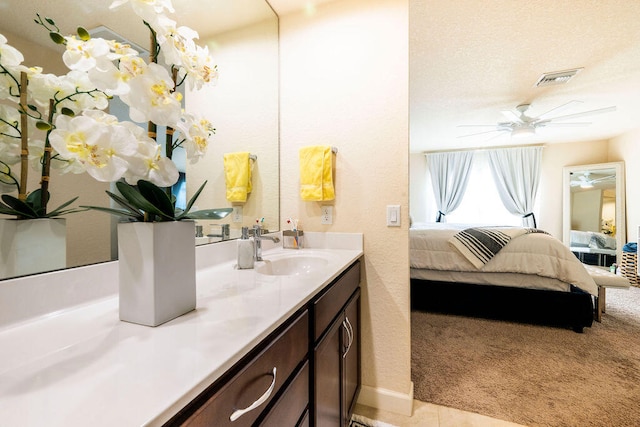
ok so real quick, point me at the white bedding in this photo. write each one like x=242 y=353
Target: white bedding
x=543 y=260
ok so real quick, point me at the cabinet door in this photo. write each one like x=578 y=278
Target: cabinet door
x=351 y=357
x=327 y=373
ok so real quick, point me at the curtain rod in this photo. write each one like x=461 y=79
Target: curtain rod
x=484 y=148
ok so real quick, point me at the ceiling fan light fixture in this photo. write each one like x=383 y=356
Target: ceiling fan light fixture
x=523 y=132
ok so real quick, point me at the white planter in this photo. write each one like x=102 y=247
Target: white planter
x=29 y=246
x=157 y=271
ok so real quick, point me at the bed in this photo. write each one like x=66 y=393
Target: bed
x=533 y=278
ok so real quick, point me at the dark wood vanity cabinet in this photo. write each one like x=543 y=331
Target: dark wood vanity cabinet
x=306 y=373
x=336 y=352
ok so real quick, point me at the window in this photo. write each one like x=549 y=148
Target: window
x=481 y=203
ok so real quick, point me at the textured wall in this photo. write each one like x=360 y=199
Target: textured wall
x=344 y=82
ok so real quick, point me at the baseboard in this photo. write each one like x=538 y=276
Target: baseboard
x=387 y=400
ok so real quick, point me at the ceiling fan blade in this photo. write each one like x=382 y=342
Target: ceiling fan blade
x=582 y=114
x=558 y=109
x=481 y=133
x=512 y=116
x=563 y=124
x=476 y=126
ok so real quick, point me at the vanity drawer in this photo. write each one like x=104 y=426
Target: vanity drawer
x=330 y=303
x=292 y=404
x=259 y=380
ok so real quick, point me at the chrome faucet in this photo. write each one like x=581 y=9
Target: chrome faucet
x=225 y=232
x=258 y=238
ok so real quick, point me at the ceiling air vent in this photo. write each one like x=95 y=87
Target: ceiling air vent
x=557 y=77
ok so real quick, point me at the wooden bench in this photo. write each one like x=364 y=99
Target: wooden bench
x=604 y=279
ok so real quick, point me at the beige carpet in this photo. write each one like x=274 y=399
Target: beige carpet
x=533 y=375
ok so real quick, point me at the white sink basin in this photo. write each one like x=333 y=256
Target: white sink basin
x=293 y=266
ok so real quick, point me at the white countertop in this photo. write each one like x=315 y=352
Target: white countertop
x=82 y=366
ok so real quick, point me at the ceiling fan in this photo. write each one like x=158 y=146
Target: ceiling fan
x=519 y=124
x=586 y=181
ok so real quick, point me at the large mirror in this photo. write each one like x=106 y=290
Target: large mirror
x=242 y=36
x=594 y=212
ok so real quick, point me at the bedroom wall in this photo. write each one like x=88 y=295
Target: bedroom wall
x=344 y=82
x=627 y=148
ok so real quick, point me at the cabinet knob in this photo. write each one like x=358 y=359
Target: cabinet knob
x=240 y=412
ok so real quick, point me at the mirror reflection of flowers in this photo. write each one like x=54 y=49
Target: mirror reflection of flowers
x=60 y=122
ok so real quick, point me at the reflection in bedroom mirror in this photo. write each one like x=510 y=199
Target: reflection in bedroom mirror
x=593 y=212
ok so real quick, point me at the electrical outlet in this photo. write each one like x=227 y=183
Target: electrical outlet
x=237 y=214
x=326 y=216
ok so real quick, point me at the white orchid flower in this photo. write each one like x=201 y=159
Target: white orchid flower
x=151 y=97
x=9 y=55
x=196 y=133
x=101 y=149
x=148 y=10
x=82 y=55
x=148 y=164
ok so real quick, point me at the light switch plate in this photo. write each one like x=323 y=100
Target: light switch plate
x=393 y=215
x=237 y=214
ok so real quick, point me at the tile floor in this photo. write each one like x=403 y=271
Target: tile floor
x=430 y=415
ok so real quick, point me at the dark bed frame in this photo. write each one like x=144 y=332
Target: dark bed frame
x=564 y=309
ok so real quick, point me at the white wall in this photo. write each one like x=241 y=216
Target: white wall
x=627 y=148
x=344 y=82
x=243 y=107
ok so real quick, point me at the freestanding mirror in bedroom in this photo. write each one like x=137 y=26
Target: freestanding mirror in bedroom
x=593 y=212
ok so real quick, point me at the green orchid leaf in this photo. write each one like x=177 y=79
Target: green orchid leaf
x=134 y=197
x=19 y=206
x=208 y=214
x=32 y=107
x=125 y=204
x=6 y=210
x=49 y=20
x=57 y=211
x=157 y=196
x=118 y=212
x=193 y=199
x=34 y=199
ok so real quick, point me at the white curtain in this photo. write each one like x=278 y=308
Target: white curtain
x=449 y=176
x=516 y=172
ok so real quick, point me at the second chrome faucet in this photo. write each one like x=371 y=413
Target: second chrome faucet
x=258 y=238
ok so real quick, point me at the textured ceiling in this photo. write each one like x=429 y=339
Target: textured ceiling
x=471 y=59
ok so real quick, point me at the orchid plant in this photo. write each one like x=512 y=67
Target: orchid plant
x=60 y=122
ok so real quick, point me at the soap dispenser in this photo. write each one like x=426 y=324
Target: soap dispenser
x=245 y=250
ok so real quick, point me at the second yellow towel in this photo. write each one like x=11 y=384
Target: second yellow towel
x=237 y=176
x=316 y=173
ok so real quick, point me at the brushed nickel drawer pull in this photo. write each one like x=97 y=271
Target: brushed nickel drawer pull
x=351 y=335
x=347 y=326
x=240 y=412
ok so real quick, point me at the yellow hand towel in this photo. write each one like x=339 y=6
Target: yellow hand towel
x=316 y=173
x=237 y=176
